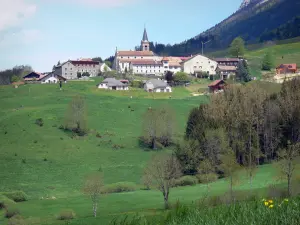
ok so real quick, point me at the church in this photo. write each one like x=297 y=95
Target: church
x=145 y=61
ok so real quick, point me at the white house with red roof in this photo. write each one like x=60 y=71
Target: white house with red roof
x=47 y=78
x=145 y=61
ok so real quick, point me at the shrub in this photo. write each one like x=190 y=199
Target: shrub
x=186 y=181
x=275 y=191
x=136 y=84
x=11 y=211
x=16 y=220
x=17 y=196
x=212 y=201
x=66 y=214
x=207 y=178
x=39 y=122
x=5 y=202
x=119 y=187
x=24 y=161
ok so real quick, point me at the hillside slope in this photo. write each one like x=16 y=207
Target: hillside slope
x=250 y=22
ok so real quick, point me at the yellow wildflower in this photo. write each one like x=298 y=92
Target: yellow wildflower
x=266 y=203
x=271 y=206
x=271 y=201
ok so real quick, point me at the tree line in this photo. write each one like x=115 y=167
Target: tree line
x=15 y=74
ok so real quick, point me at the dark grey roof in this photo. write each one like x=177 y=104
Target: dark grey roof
x=145 y=35
x=113 y=82
x=157 y=83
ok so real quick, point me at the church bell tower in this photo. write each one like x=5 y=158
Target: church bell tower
x=145 y=45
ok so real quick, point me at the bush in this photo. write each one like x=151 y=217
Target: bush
x=275 y=191
x=16 y=220
x=209 y=178
x=66 y=214
x=136 y=84
x=17 y=196
x=11 y=211
x=5 y=202
x=186 y=181
x=39 y=122
x=119 y=187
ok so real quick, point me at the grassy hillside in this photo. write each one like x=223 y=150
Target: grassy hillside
x=46 y=162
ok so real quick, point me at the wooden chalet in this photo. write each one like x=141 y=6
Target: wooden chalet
x=216 y=86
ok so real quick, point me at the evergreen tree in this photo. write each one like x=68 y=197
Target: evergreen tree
x=237 y=47
x=242 y=72
x=268 y=62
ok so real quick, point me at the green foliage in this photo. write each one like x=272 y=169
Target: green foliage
x=11 y=211
x=180 y=76
x=15 y=78
x=16 y=220
x=85 y=74
x=39 y=122
x=268 y=62
x=66 y=214
x=207 y=178
x=97 y=59
x=136 y=84
x=242 y=72
x=17 y=196
x=186 y=181
x=237 y=47
x=5 y=201
x=119 y=187
x=79 y=75
x=108 y=63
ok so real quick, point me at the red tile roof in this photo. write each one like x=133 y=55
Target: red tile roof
x=216 y=82
x=135 y=53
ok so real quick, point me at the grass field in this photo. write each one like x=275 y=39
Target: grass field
x=46 y=162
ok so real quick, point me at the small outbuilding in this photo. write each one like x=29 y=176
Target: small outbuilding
x=156 y=85
x=216 y=86
x=113 y=84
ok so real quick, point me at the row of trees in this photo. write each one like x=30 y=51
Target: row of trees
x=254 y=126
x=15 y=74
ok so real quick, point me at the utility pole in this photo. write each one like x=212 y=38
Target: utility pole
x=203 y=43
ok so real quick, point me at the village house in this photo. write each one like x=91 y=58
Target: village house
x=217 y=86
x=226 y=71
x=156 y=85
x=227 y=61
x=198 y=65
x=286 y=68
x=70 y=68
x=47 y=78
x=113 y=84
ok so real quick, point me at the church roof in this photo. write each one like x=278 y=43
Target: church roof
x=145 y=35
x=135 y=53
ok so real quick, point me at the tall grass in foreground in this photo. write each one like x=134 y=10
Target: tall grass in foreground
x=275 y=212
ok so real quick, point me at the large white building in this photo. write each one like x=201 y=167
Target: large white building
x=199 y=64
x=145 y=61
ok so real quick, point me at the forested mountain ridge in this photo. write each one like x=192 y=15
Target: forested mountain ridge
x=253 y=23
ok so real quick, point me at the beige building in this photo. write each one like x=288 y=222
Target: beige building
x=70 y=68
x=199 y=64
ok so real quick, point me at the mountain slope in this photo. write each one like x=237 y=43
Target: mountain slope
x=250 y=22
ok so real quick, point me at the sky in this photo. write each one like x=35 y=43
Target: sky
x=39 y=33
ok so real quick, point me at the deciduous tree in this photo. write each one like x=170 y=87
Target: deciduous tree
x=237 y=47
x=93 y=187
x=163 y=170
x=268 y=61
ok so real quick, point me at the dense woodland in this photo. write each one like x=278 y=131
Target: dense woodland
x=278 y=16
x=14 y=74
x=247 y=121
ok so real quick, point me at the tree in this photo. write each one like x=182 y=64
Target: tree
x=85 y=74
x=230 y=167
x=206 y=169
x=108 y=63
x=163 y=170
x=158 y=126
x=93 y=187
x=58 y=63
x=79 y=75
x=169 y=76
x=242 y=72
x=75 y=119
x=126 y=70
x=97 y=59
x=53 y=68
x=15 y=78
x=288 y=159
x=180 y=77
x=237 y=47
x=105 y=68
x=268 y=61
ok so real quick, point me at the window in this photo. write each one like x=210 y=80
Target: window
x=162 y=90
x=166 y=67
x=146 y=71
x=121 y=57
x=195 y=67
x=208 y=61
x=200 y=67
x=65 y=68
x=71 y=68
x=71 y=74
x=212 y=67
x=142 y=57
x=135 y=57
x=65 y=73
x=128 y=57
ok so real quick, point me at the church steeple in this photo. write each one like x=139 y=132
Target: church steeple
x=145 y=41
x=145 y=35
